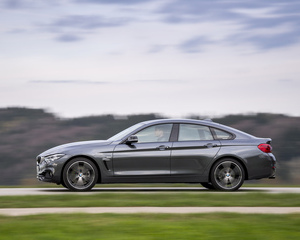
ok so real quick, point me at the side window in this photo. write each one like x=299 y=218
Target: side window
x=192 y=132
x=157 y=133
x=222 y=135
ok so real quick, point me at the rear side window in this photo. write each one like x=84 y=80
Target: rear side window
x=222 y=135
x=192 y=132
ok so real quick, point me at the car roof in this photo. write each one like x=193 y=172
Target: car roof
x=172 y=120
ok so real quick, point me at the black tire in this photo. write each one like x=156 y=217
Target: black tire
x=227 y=175
x=63 y=184
x=207 y=185
x=80 y=174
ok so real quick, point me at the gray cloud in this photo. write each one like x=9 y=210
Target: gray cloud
x=17 y=31
x=27 y=4
x=280 y=12
x=88 y=22
x=67 y=82
x=196 y=11
x=157 y=48
x=120 y=2
x=68 y=38
x=195 y=44
x=88 y=82
x=74 y=28
x=286 y=80
x=269 y=42
x=17 y=4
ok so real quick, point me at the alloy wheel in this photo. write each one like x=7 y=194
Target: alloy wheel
x=228 y=175
x=80 y=175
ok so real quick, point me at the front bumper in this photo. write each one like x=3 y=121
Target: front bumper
x=49 y=172
x=45 y=172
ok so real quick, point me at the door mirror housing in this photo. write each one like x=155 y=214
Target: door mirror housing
x=132 y=139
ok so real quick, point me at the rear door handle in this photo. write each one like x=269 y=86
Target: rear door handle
x=211 y=145
x=162 y=147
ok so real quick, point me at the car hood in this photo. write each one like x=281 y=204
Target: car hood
x=70 y=146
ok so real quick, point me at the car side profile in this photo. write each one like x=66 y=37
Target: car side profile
x=162 y=151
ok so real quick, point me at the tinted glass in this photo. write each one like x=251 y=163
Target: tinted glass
x=221 y=135
x=157 y=133
x=191 y=132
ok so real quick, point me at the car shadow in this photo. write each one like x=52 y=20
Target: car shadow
x=148 y=189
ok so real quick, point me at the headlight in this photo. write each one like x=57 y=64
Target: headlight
x=53 y=157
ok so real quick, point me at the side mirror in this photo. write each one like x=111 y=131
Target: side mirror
x=132 y=139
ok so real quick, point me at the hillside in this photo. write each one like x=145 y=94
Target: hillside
x=24 y=133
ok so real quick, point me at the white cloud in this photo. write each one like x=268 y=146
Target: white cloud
x=125 y=58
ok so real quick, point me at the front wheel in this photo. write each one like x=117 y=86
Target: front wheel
x=227 y=175
x=207 y=185
x=80 y=174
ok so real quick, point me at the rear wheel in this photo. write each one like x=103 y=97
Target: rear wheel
x=80 y=174
x=227 y=175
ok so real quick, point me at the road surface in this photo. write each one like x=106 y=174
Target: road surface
x=134 y=210
x=53 y=191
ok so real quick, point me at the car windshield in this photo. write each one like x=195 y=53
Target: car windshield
x=125 y=132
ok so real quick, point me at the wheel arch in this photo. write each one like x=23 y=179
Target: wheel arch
x=230 y=157
x=82 y=156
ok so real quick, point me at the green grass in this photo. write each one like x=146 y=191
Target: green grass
x=152 y=199
x=151 y=226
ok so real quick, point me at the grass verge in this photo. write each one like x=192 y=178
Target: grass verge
x=152 y=199
x=151 y=226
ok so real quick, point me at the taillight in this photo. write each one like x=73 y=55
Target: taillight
x=267 y=148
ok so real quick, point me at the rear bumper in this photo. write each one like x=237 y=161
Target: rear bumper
x=262 y=166
x=273 y=166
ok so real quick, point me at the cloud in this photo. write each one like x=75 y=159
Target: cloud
x=27 y=4
x=269 y=42
x=195 y=44
x=161 y=81
x=17 y=4
x=195 y=11
x=88 y=22
x=120 y=2
x=286 y=81
x=67 y=82
x=89 y=82
x=251 y=15
x=74 y=28
x=157 y=48
x=68 y=38
x=17 y=31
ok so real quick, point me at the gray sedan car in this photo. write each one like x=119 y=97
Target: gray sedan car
x=162 y=151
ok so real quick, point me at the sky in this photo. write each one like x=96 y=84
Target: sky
x=171 y=57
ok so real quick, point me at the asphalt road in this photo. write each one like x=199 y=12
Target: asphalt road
x=53 y=191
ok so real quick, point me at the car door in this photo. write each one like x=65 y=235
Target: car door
x=194 y=150
x=147 y=157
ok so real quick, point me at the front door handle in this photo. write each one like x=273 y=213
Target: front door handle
x=162 y=147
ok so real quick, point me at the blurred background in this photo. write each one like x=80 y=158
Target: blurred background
x=25 y=133
x=75 y=70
